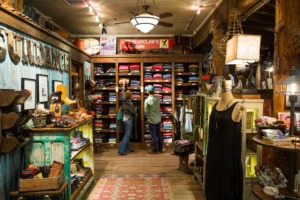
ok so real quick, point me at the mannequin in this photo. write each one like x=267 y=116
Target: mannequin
x=227 y=100
x=224 y=172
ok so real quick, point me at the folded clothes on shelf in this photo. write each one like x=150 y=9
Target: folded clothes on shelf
x=148 y=67
x=135 y=83
x=157 y=76
x=123 y=68
x=167 y=140
x=179 y=68
x=179 y=80
x=193 y=68
x=167 y=66
x=112 y=111
x=167 y=124
x=111 y=70
x=112 y=125
x=166 y=88
x=134 y=67
x=148 y=76
x=157 y=67
x=136 y=95
x=167 y=98
x=193 y=79
x=167 y=77
x=167 y=109
x=112 y=96
x=167 y=134
x=98 y=70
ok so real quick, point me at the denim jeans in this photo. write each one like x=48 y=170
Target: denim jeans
x=157 y=143
x=125 y=143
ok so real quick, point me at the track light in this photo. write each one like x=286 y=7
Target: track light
x=104 y=30
x=97 y=19
x=90 y=9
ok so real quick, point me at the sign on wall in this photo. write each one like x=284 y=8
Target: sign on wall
x=127 y=44
x=108 y=45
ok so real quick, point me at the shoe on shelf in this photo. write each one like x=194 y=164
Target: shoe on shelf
x=122 y=154
x=152 y=152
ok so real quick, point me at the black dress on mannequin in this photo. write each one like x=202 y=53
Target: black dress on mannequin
x=224 y=173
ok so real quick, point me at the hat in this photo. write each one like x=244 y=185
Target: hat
x=150 y=88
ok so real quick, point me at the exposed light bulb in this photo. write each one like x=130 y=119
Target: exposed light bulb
x=97 y=19
x=90 y=9
x=198 y=11
x=293 y=88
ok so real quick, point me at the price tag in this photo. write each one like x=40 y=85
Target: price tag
x=193 y=83
x=111 y=74
x=166 y=70
x=179 y=73
x=117 y=89
x=179 y=84
x=142 y=89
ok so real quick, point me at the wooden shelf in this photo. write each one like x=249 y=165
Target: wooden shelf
x=104 y=131
x=283 y=148
x=134 y=88
x=166 y=103
x=157 y=81
x=186 y=84
x=74 y=154
x=105 y=117
x=186 y=74
x=81 y=186
x=162 y=92
x=157 y=70
x=105 y=88
x=179 y=99
x=129 y=74
x=106 y=102
x=105 y=74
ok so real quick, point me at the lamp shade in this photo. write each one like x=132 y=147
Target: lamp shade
x=290 y=85
x=243 y=48
x=145 y=22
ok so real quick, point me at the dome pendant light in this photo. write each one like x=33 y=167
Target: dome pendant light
x=144 y=21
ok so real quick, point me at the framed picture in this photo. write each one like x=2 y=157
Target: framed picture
x=30 y=85
x=286 y=117
x=55 y=83
x=43 y=89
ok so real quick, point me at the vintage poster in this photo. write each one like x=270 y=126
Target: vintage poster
x=108 y=45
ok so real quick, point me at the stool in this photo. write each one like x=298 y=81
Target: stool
x=183 y=162
x=58 y=193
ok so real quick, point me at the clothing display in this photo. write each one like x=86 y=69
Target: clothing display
x=127 y=80
x=157 y=67
x=134 y=68
x=112 y=96
x=148 y=67
x=224 y=172
x=188 y=127
x=179 y=68
x=148 y=76
x=166 y=87
x=167 y=98
x=193 y=79
x=124 y=69
x=193 y=68
x=136 y=95
x=112 y=125
x=135 y=83
x=157 y=76
x=167 y=124
x=112 y=111
x=98 y=124
x=179 y=80
x=167 y=77
x=167 y=66
x=99 y=97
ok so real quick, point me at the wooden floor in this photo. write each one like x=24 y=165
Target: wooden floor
x=183 y=185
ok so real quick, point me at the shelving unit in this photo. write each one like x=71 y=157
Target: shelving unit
x=144 y=61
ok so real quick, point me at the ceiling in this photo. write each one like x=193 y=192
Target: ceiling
x=78 y=21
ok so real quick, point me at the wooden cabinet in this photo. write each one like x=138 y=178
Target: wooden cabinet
x=251 y=153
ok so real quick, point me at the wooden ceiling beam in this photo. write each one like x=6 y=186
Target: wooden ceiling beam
x=262 y=20
x=262 y=28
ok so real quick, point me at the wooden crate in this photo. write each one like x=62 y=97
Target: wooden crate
x=30 y=185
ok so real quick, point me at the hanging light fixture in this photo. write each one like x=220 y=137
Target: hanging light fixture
x=144 y=21
x=97 y=19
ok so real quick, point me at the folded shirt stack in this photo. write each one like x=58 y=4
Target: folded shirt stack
x=124 y=79
x=111 y=70
x=166 y=88
x=99 y=97
x=167 y=98
x=179 y=93
x=123 y=68
x=167 y=77
x=167 y=134
x=179 y=80
x=157 y=67
x=179 y=68
x=148 y=76
x=193 y=79
x=112 y=125
x=136 y=95
x=135 y=83
x=112 y=96
x=148 y=67
x=157 y=87
x=99 y=110
x=112 y=111
x=193 y=68
x=112 y=139
x=167 y=124
x=157 y=76
x=98 y=124
x=167 y=66
x=134 y=68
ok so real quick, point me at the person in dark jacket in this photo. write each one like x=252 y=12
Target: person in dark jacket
x=128 y=112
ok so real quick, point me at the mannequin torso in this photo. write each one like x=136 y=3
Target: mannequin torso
x=228 y=100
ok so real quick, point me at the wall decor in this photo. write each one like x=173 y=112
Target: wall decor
x=25 y=58
x=55 y=83
x=37 y=54
x=30 y=51
x=2 y=44
x=47 y=57
x=43 y=88
x=30 y=85
x=42 y=52
x=14 y=49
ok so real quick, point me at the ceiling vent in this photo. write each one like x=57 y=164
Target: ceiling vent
x=75 y=2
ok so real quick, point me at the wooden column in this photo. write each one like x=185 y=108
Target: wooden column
x=286 y=45
x=218 y=58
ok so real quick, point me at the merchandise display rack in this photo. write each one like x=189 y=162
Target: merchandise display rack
x=144 y=61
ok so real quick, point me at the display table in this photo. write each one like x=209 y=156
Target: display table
x=293 y=149
x=257 y=190
x=53 y=144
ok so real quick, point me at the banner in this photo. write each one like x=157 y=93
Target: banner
x=145 y=43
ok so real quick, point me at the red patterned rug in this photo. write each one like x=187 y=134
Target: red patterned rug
x=132 y=187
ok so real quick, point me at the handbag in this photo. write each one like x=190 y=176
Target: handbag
x=120 y=114
x=183 y=146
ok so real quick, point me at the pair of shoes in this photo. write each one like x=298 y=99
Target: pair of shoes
x=122 y=154
x=152 y=152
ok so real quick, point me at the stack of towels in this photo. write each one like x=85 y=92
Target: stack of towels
x=157 y=76
x=157 y=87
x=136 y=95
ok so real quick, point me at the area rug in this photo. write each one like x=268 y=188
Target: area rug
x=132 y=187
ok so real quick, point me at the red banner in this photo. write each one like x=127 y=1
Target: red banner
x=145 y=43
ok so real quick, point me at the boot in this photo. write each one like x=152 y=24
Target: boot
x=64 y=98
